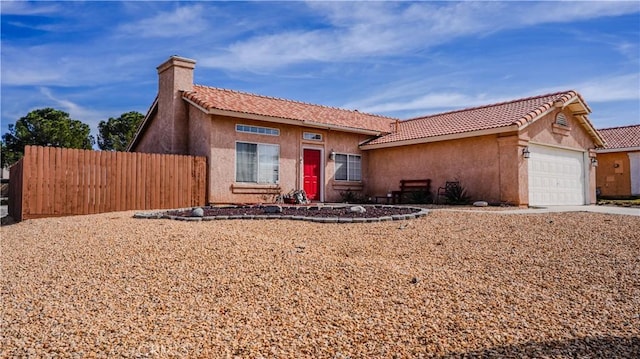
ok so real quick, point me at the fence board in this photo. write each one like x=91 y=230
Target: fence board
x=59 y=182
x=50 y=182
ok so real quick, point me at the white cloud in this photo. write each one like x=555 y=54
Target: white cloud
x=431 y=102
x=405 y=100
x=76 y=112
x=28 y=8
x=357 y=30
x=612 y=88
x=570 y=11
x=179 y=22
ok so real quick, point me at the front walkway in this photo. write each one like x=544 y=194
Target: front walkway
x=629 y=211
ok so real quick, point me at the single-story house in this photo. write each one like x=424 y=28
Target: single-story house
x=618 y=172
x=532 y=151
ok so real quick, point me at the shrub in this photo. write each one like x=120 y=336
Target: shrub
x=419 y=197
x=456 y=194
x=350 y=196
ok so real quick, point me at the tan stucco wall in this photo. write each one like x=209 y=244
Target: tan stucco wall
x=174 y=76
x=345 y=143
x=168 y=130
x=613 y=175
x=150 y=140
x=199 y=132
x=543 y=131
x=222 y=185
x=472 y=161
x=490 y=167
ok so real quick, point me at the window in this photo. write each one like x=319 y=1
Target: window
x=312 y=136
x=257 y=163
x=258 y=130
x=561 y=120
x=348 y=168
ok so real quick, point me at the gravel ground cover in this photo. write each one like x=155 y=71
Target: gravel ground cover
x=446 y=285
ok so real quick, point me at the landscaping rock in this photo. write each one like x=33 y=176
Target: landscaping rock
x=273 y=209
x=197 y=212
x=449 y=285
x=358 y=209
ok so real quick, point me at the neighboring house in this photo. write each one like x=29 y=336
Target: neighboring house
x=533 y=151
x=618 y=173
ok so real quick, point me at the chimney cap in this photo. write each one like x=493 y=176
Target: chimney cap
x=176 y=60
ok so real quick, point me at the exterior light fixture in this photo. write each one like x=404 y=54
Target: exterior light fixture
x=332 y=155
x=594 y=162
x=525 y=152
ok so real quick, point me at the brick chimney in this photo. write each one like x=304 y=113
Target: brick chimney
x=174 y=76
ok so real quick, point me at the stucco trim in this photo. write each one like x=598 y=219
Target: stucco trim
x=454 y=136
x=560 y=129
x=546 y=144
x=347 y=185
x=287 y=121
x=255 y=188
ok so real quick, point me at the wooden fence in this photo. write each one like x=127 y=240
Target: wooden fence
x=50 y=182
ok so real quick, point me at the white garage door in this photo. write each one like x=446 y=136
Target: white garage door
x=556 y=176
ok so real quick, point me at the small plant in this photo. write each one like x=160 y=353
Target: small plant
x=419 y=197
x=350 y=196
x=456 y=194
x=297 y=196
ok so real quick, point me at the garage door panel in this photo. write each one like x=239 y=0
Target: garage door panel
x=556 y=176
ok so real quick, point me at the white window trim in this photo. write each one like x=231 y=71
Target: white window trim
x=347 y=180
x=235 y=162
x=276 y=130
x=304 y=134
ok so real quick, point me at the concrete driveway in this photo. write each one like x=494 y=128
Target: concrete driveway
x=629 y=211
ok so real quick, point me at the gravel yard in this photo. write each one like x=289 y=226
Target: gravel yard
x=450 y=284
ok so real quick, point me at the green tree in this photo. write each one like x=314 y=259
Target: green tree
x=116 y=133
x=44 y=127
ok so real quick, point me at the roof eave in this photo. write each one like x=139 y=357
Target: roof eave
x=591 y=130
x=287 y=121
x=448 y=137
x=621 y=149
x=575 y=104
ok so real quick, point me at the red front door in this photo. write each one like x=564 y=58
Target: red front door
x=312 y=164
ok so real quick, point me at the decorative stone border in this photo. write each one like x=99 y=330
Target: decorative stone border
x=419 y=212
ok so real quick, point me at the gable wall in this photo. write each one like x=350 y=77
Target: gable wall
x=543 y=131
x=152 y=140
x=472 y=161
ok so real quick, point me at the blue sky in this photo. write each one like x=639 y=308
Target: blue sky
x=97 y=60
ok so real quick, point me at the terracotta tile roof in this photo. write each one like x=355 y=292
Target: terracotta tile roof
x=621 y=137
x=211 y=98
x=516 y=112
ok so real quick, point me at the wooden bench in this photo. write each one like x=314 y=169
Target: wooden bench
x=409 y=187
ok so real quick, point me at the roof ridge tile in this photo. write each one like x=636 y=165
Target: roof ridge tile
x=491 y=105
